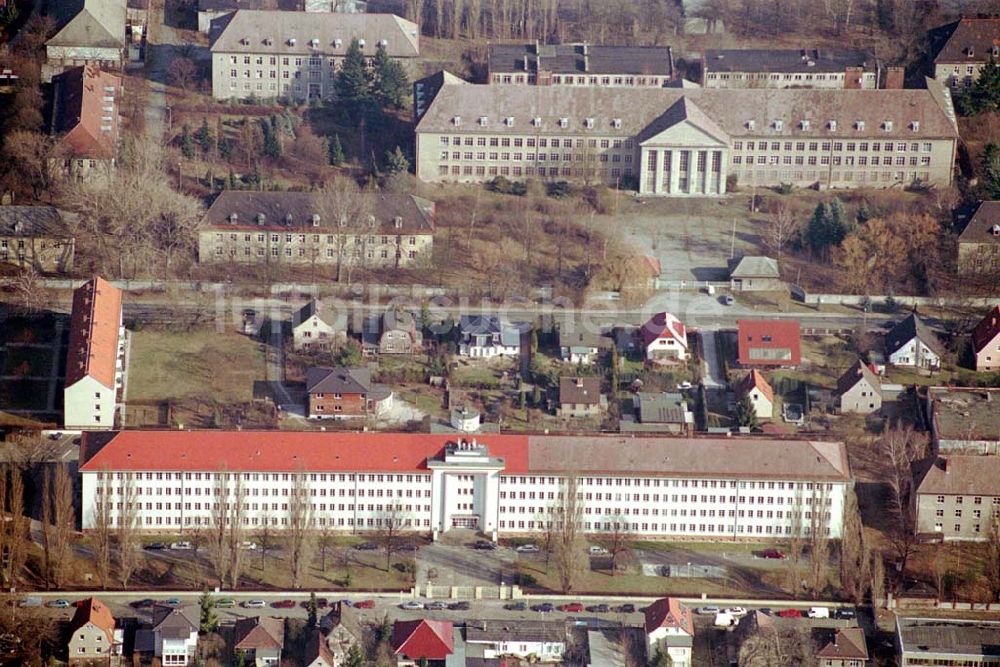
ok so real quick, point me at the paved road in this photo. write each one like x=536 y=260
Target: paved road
x=713 y=379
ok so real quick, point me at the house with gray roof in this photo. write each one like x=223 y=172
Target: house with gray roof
x=317 y=326
x=484 y=337
x=912 y=344
x=175 y=634
x=979 y=242
x=345 y=393
x=579 y=344
x=834 y=68
x=859 y=390
x=36 y=236
x=87 y=32
x=545 y=641
x=296 y=55
x=964 y=420
x=960 y=49
x=580 y=64
x=658 y=412
x=757 y=274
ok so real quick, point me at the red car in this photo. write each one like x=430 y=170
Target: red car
x=790 y=613
x=283 y=604
x=773 y=553
x=364 y=604
x=572 y=606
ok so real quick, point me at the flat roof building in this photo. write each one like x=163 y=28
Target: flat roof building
x=942 y=641
x=580 y=64
x=964 y=420
x=790 y=68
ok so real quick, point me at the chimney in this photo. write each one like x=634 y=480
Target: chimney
x=893 y=78
x=853 y=77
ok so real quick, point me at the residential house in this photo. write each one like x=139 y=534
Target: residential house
x=956 y=495
x=581 y=397
x=580 y=64
x=756 y=387
x=260 y=640
x=961 y=48
x=175 y=634
x=95 y=358
x=316 y=327
x=85 y=121
x=964 y=420
x=318 y=652
x=295 y=228
x=86 y=32
x=345 y=393
x=422 y=640
x=669 y=628
x=757 y=274
x=946 y=641
x=296 y=55
x=834 y=68
x=664 y=338
x=979 y=242
x=540 y=641
x=36 y=237
x=986 y=341
x=397 y=332
x=687 y=142
x=580 y=345
x=482 y=336
x=769 y=343
x=841 y=647
x=859 y=390
x=912 y=344
x=93 y=636
x=659 y=412
x=492 y=470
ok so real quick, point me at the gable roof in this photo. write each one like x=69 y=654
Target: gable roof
x=93 y=333
x=338 y=380
x=858 y=371
x=580 y=390
x=984 y=225
x=987 y=330
x=92 y=610
x=663 y=325
x=515 y=630
x=845 y=644
x=510 y=333
x=282 y=33
x=788 y=60
x=910 y=328
x=259 y=632
x=88 y=23
x=960 y=475
x=579 y=58
x=175 y=622
x=32 y=221
x=433 y=640
x=85 y=111
x=576 y=337
x=769 y=342
x=669 y=613
x=683 y=110
x=317 y=648
x=952 y=41
x=754 y=380
x=661 y=407
x=755 y=267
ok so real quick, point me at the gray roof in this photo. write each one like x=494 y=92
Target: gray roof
x=857 y=372
x=581 y=59
x=264 y=31
x=961 y=413
x=661 y=408
x=510 y=334
x=787 y=60
x=514 y=630
x=175 y=622
x=960 y=475
x=338 y=380
x=755 y=267
x=731 y=110
x=233 y=5
x=948 y=636
x=580 y=338
x=984 y=226
x=910 y=328
x=91 y=23
x=32 y=221
x=950 y=43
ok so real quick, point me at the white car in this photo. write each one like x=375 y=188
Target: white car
x=254 y=604
x=597 y=551
x=180 y=546
x=412 y=605
x=528 y=549
x=819 y=612
x=737 y=612
x=249 y=546
x=684 y=385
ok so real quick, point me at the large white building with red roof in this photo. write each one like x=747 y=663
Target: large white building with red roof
x=95 y=359
x=503 y=484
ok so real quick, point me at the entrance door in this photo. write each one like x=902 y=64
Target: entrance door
x=465 y=522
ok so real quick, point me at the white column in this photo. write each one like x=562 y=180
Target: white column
x=658 y=176
x=675 y=163
x=488 y=521
x=707 y=172
x=437 y=503
x=723 y=162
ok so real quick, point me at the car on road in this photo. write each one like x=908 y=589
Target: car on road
x=627 y=608
x=484 y=545
x=516 y=606
x=58 y=604
x=790 y=613
x=459 y=606
x=527 y=549
x=180 y=546
x=765 y=610
x=709 y=610
x=571 y=607
x=412 y=605
x=597 y=551
x=155 y=546
x=366 y=546
x=225 y=603
x=437 y=605
x=254 y=604
x=684 y=385
x=545 y=606
x=248 y=546
x=737 y=612
x=364 y=604
x=321 y=603
x=726 y=300
x=172 y=602
x=818 y=612
x=598 y=609
x=283 y=604
x=845 y=614
x=408 y=547
x=773 y=553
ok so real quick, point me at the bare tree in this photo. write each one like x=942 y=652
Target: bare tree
x=877 y=574
x=182 y=72
x=900 y=447
x=346 y=209
x=218 y=536
x=265 y=535
x=854 y=556
x=127 y=530
x=991 y=561
x=781 y=226
x=325 y=540
x=616 y=538
x=300 y=527
x=389 y=527
x=103 y=527
x=796 y=546
x=57 y=522
x=819 y=537
x=236 y=529
x=15 y=529
x=773 y=645
x=569 y=550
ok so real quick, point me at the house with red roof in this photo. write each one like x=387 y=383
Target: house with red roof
x=260 y=639
x=95 y=359
x=413 y=641
x=841 y=647
x=769 y=343
x=669 y=629
x=756 y=387
x=92 y=633
x=986 y=341
x=85 y=111
x=664 y=338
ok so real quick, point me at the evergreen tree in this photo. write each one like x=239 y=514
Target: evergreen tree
x=615 y=381
x=746 y=415
x=391 y=83
x=313 y=610
x=354 y=81
x=984 y=95
x=232 y=179
x=395 y=162
x=209 y=621
x=990 y=182
x=827 y=227
x=354 y=658
x=204 y=137
x=272 y=144
x=187 y=144
x=335 y=152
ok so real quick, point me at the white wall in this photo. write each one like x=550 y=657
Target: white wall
x=88 y=404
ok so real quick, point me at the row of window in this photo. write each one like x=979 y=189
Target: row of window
x=771 y=76
x=532 y=157
x=286 y=61
x=669 y=528
x=836 y=146
x=330 y=253
x=976 y=500
x=976 y=514
x=761 y=176
x=836 y=160
x=265 y=477
x=517 y=171
x=301 y=238
x=540 y=142
x=646 y=511
x=265 y=492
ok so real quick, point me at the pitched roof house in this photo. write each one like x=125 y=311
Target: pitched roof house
x=488 y=336
x=669 y=627
x=175 y=634
x=911 y=343
x=841 y=647
x=318 y=653
x=36 y=236
x=961 y=48
x=545 y=641
x=756 y=274
x=754 y=385
x=580 y=397
x=859 y=390
x=944 y=483
x=92 y=632
x=579 y=64
x=344 y=393
x=986 y=341
x=979 y=242
x=85 y=118
x=424 y=639
x=580 y=345
x=764 y=343
x=398 y=333
x=658 y=412
x=665 y=338
x=260 y=638
x=314 y=326
x=787 y=68
x=94 y=358
x=86 y=31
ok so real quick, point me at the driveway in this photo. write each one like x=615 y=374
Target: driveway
x=714 y=379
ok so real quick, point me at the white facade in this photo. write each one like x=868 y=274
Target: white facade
x=762 y=405
x=175 y=651
x=312 y=331
x=543 y=651
x=88 y=404
x=666 y=346
x=679 y=651
x=915 y=354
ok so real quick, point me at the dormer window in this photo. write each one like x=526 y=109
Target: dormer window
x=804 y=125
x=361 y=43
x=751 y=124
x=267 y=41
x=244 y=41
x=832 y=125
x=859 y=125
x=589 y=123
x=291 y=41
x=343 y=221
x=483 y=121
x=337 y=43
x=995 y=230
x=383 y=43
x=616 y=123
x=887 y=125
x=233 y=218
x=970 y=52
x=536 y=121
x=371 y=220
x=914 y=126
x=509 y=121
x=778 y=124
x=261 y=218
x=288 y=218
x=315 y=219
x=564 y=122
x=314 y=43
x=398 y=222
x=457 y=120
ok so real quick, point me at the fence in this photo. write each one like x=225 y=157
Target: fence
x=800 y=294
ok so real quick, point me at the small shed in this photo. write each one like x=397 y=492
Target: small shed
x=755 y=274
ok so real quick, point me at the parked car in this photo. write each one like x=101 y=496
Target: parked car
x=627 y=608
x=408 y=547
x=172 y=602
x=254 y=604
x=738 y=612
x=180 y=546
x=515 y=606
x=790 y=613
x=30 y=602
x=765 y=610
x=364 y=604
x=459 y=606
x=322 y=603
x=819 y=612
x=225 y=603
x=597 y=551
x=773 y=553
x=247 y=545
x=366 y=546
x=546 y=606
x=437 y=605
x=845 y=614
x=58 y=604
x=709 y=610
x=527 y=549
x=283 y=604
x=599 y=609
x=412 y=605
x=684 y=385
x=155 y=546
x=571 y=607
x=484 y=545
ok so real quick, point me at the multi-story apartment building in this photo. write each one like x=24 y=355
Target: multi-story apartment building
x=504 y=484
x=957 y=496
x=296 y=55
x=688 y=141
x=964 y=420
x=979 y=242
x=295 y=228
x=35 y=236
x=86 y=32
x=961 y=48
x=85 y=108
x=580 y=64
x=789 y=68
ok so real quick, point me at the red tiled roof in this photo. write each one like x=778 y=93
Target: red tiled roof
x=663 y=325
x=754 y=379
x=433 y=640
x=846 y=644
x=669 y=613
x=259 y=632
x=92 y=610
x=93 y=335
x=987 y=330
x=762 y=343
x=317 y=648
x=83 y=111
